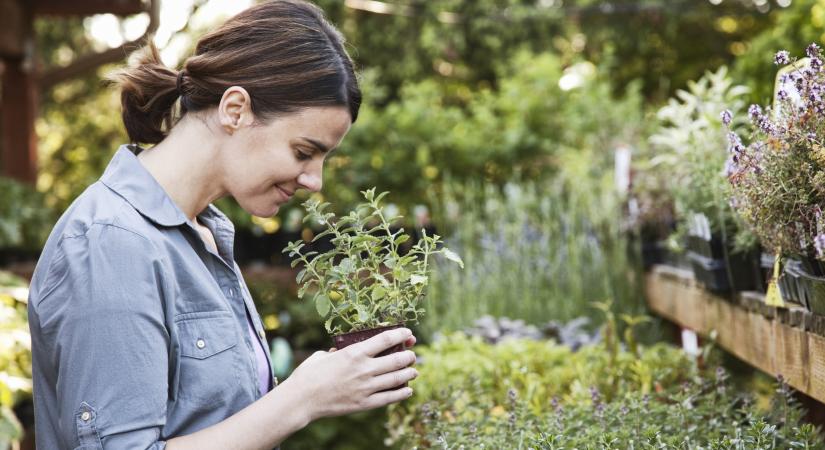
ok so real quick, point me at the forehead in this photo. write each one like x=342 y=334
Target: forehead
x=328 y=124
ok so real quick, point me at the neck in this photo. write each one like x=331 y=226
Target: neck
x=185 y=165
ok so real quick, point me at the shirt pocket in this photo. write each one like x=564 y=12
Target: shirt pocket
x=209 y=360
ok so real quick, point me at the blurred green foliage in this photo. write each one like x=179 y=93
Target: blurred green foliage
x=15 y=355
x=536 y=251
x=473 y=93
x=24 y=220
x=793 y=28
x=665 y=43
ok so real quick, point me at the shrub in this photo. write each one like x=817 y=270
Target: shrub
x=539 y=395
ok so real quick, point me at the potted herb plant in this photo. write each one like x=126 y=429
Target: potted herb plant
x=778 y=177
x=690 y=144
x=364 y=285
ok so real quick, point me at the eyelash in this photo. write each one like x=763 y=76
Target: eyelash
x=303 y=156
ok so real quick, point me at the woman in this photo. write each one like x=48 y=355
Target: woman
x=144 y=334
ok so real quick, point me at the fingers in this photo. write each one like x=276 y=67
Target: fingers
x=392 y=362
x=384 y=398
x=394 y=379
x=410 y=342
x=383 y=341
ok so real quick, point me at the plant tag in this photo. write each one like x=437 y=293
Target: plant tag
x=773 y=297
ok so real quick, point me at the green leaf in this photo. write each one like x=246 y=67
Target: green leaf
x=452 y=256
x=380 y=196
x=363 y=314
x=402 y=239
x=378 y=292
x=347 y=266
x=300 y=276
x=322 y=304
x=418 y=279
x=381 y=279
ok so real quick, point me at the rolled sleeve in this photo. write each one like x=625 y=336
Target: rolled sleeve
x=107 y=337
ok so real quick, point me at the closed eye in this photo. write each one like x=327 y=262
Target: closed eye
x=302 y=155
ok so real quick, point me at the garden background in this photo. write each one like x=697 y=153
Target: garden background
x=545 y=140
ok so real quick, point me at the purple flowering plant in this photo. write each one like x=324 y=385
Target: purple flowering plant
x=778 y=175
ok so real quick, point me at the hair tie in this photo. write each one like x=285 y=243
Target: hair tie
x=179 y=83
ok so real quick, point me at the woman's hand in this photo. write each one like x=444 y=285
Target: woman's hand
x=352 y=379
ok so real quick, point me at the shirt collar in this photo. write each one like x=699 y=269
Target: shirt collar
x=128 y=178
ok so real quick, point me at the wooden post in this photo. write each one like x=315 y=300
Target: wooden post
x=18 y=146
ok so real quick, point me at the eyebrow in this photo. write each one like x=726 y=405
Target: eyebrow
x=320 y=145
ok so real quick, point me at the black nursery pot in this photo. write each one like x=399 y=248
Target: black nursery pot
x=712 y=249
x=810 y=279
x=740 y=272
x=791 y=283
x=766 y=262
x=812 y=266
x=344 y=340
x=653 y=252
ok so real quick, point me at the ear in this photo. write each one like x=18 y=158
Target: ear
x=235 y=109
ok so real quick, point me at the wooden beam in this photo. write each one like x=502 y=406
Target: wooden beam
x=18 y=109
x=774 y=341
x=88 y=7
x=12 y=32
x=18 y=104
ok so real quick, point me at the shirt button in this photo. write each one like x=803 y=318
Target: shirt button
x=200 y=343
x=261 y=334
x=85 y=416
x=231 y=292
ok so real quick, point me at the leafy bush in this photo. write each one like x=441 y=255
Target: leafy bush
x=25 y=220
x=438 y=131
x=689 y=148
x=701 y=413
x=529 y=394
x=15 y=355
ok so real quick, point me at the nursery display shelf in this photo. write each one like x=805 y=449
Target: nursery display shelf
x=787 y=341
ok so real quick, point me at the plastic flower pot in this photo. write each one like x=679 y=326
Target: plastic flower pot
x=790 y=282
x=653 y=252
x=766 y=261
x=811 y=288
x=739 y=273
x=812 y=266
x=713 y=248
x=344 y=340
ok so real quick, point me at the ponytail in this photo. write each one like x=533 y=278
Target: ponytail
x=149 y=91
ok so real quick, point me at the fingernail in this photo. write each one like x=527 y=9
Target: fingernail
x=409 y=392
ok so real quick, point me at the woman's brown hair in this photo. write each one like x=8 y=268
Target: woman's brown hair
x=283 y=52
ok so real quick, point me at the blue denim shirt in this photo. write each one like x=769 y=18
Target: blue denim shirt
x=139 y=330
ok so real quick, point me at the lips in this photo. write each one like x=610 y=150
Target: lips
x=287 y=194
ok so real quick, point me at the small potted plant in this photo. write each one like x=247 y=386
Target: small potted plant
x=778 y=178
x=364 y=285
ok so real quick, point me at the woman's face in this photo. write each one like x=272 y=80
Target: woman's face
x=265 y=163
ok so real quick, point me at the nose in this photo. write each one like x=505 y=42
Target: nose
x=311 y=181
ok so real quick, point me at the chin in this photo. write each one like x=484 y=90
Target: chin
x=261 y=210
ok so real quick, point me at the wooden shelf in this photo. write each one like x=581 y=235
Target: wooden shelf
x=786 y=341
